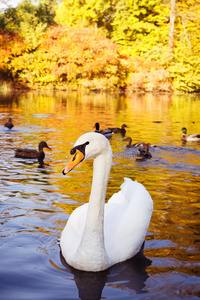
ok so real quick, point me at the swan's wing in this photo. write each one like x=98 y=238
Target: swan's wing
x=127 y=217
x=129 y=190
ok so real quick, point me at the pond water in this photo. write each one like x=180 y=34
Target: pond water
x=36 y=202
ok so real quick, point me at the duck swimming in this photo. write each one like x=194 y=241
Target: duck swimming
x=143 y=152
x=9 y=124
x=130 y=145
x=32 y=153
x=107 y=133
x=117 y=129
x=99 y=235
x=192 y=137
x=129 y=140
x=139 y=144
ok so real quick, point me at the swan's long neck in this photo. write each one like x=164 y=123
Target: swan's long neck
x=101 y=172
x=92 y=241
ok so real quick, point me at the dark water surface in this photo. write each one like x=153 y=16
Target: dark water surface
x=36 y=202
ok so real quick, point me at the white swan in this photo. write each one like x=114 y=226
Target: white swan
x=99 y=235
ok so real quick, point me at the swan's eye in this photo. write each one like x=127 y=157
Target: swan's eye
x=80 y=148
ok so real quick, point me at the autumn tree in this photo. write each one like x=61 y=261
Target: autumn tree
x=9 y=19
x=83 y=13
x=185 y=61
x=187 y=24
x=29 y=19
x=140 y=24
x=71 y=58
x=140 y=28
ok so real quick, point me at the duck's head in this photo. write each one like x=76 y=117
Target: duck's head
x=96 y=125
x=127 y=139
x=141 y=154
x=43 y=145
x=88 y=145
x=184 y=130
x=124 y=125
x=146 y=147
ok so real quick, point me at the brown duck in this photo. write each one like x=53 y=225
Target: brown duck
x=32 y=153
x=9 y=124
x=130 y=145
x=139 y=144
x=143 y=152
x=117 y=129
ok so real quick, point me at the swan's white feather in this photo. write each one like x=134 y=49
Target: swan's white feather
x=127 y=217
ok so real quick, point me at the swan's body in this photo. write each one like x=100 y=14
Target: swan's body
x=99 y=235
x=192 y=137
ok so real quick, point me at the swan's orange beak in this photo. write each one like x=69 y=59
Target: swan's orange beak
x=75 y=160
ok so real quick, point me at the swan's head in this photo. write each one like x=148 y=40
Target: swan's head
x=88 y=145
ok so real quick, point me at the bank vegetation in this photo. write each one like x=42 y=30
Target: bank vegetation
x=100 y=45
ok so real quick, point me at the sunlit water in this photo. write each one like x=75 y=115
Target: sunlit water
x=36 y=202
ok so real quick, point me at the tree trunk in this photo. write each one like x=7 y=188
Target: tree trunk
x=171 y=27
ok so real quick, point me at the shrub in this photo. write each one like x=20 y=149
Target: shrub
x=83 y=57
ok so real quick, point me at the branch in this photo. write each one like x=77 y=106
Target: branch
x=185 y=33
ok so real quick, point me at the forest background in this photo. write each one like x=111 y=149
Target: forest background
x=101 y=45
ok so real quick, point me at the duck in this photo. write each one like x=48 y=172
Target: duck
x=32 y=153
x=139 y=144
x=143 y=152
x=130 y=145
x=192 y=137
x=9 y=124
x=107 y=133
x=129 y=140
x=117 y=129
x=98 y=235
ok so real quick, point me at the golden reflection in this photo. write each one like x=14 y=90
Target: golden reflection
x=171 y=176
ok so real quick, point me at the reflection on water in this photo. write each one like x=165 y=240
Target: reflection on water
x=36 y=202
x=129 y=275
